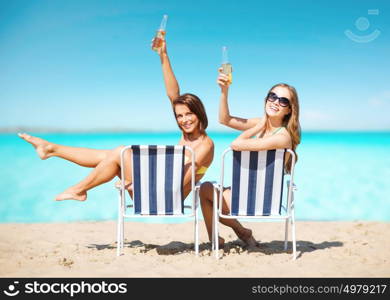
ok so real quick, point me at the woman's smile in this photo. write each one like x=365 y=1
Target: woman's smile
x=187 y=120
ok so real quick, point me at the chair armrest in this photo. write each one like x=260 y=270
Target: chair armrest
x=294 y=186
x=216 y=185
x=197 y=189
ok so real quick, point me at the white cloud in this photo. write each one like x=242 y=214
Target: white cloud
x=380 y=100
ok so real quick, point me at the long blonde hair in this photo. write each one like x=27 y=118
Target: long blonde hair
x=290 y=121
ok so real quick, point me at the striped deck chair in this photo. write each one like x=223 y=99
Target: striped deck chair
x=158 y=174
x=257 y=190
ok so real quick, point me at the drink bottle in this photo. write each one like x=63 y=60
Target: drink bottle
x=157 y=41
x=226 y=65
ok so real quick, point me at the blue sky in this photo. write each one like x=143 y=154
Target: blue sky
x=88 y=64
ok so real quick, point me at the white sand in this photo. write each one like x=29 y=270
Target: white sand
x=325 y=249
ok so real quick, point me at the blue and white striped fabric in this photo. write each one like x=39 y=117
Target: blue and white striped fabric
x=158 y=173
x=257 y=183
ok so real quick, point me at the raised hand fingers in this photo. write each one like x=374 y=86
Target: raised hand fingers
x=223 y=76
x=159 y=44
x=223 y=80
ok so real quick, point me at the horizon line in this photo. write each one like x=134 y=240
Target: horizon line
x=130 y=130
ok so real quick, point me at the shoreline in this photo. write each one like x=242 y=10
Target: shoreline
x=88 y=249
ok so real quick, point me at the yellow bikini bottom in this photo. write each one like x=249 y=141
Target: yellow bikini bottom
x=201 y=170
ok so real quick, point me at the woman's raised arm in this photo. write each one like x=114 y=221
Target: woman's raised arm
x=171 y=84
x=224 y=114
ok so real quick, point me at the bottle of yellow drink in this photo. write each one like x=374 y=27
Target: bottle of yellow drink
x=157 y=41
x=226 y=65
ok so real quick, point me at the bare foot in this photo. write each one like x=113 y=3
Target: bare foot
x=128 y=185
x=69 y=194
x=221 y=242
x=246 y=236
x=43 y=148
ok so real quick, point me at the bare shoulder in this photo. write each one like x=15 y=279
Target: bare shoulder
x=206 y=151
x=208 y=142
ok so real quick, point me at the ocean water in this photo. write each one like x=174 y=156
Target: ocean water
x=339 y=175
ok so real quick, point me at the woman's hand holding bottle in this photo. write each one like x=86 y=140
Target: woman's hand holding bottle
x=223 y=80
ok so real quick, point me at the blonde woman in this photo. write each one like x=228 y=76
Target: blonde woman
x=277 y=128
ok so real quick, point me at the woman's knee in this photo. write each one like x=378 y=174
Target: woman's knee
x=206 y=190
x=118 y=149
x=116 y=152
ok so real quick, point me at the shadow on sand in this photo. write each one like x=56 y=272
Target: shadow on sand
x=237 y=246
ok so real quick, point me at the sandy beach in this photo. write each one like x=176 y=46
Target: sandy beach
x=88 y=249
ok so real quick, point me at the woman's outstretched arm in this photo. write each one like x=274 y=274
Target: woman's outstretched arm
x=171 y=84
x=224 y=114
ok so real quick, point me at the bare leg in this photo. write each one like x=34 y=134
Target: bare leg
x=206 y=197
x=206 y=200
x=106 y=170
x=82 y=156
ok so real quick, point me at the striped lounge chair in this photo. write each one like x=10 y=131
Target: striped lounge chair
x=158 y=173
x=257 y=190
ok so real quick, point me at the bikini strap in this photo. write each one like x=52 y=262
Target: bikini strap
x=277 y=130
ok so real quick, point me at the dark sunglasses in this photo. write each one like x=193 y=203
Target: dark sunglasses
x=272 y=97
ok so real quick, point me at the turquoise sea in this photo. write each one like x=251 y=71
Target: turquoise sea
x=339 y=175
